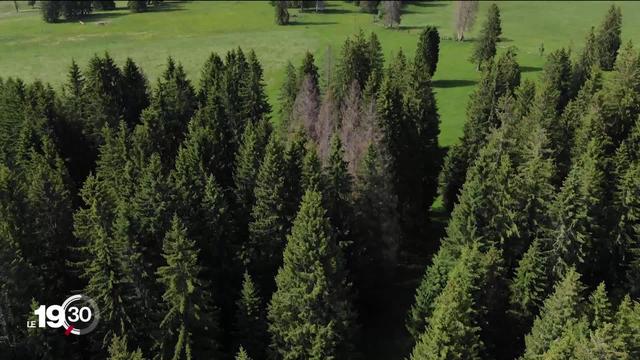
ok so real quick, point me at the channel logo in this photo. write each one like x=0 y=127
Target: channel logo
x=78 y=315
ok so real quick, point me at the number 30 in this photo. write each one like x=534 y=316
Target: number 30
x=84 y=314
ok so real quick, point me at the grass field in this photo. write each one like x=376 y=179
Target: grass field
x=189 y=31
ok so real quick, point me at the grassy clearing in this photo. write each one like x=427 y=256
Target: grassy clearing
x=189 y=31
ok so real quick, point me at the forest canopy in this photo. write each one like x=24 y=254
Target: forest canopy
x=207 y=225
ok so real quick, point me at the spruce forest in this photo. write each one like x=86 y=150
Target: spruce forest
x=207 y=222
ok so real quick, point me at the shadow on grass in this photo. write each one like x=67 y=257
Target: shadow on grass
x=329 y=10
x=452 y=83
x=106 y=15
x=426 y=3
x=526 y=69
x=101 y=16
x=306 y=23
x=411 y=27
x=166 y=6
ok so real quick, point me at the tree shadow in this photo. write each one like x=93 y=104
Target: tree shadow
x=411 y=27
x=166 y=6
x=329 y=10
x=526 y=69
x=504 y=40
x=307 y=23
x=426 y=3
x=106 y=15
x=100 y=16
x=443 y=84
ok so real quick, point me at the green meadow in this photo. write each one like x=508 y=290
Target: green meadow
x=190 y=31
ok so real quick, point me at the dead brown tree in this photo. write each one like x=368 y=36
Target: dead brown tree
x=465 y=17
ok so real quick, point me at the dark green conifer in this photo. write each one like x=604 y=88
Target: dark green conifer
x=294 y=163
x=312 y=175
x=599 y=310
x=119 y=350
x=529 y=285
x=211 y=77
x=105 y=97
x=262 y=253
x=433 y=282
x=485 y=48
x=137 y=6
x=428 y=51
x=579 y=215
x=288 y=94
x=310 y=315
x=560 y=310
x=251 y=323
x=608 y=38
x=628 y=225
x=164 y=122
x=500 y=79
x=376 y=223
x=242 y=354
x=188 y=327
x=135 y=93
x=337 y=194
x=309 y=68
x=255 y=105
x=453 y=331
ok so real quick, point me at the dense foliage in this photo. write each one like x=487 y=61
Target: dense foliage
x=202 y=230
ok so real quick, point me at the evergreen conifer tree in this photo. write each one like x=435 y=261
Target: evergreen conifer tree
x=164 y=122
x=119 y=350
x=135 y=93
x=50 y=11
x=242 y=354
x=75 y=145
x=337 y=194
x=628 y=225
x=255 y=105
x=312 y=175
x=288 y=94
x=433 y=282
x=627 y=326
x=529 y=285
x=310 y=315
x=188 y=326
x=608 y=38
x=137 y=5
x=247 y=165
x=485 y=48
x=262 y=253
x=579 y=214
x=428 y=51
x=453 y=331
x=309 y=68
x=47 y=217
x=600 y=312
x=211 y=76
x=294 y=162
x=104 y=96
x=251 y=323
x=376 y=233
x=560 y=310
x=151 y=208
x=500 y=79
